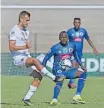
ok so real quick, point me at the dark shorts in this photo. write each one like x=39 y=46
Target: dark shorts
x=36 y=75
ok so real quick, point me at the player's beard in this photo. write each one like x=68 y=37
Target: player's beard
x=76 y=28
x=64 y=43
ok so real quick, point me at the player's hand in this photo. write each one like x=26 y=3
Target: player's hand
x=85 y=70
x=28 y=45
x=95 y=52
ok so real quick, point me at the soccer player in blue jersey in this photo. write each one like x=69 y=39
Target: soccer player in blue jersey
x=77 y=35
x=65 y=54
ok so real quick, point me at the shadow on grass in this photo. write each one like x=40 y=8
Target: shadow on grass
x=8 y=103
x=67 y=102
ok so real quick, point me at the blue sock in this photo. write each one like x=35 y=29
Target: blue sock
x=81 y=83
x=57 y=89
x=71 y=81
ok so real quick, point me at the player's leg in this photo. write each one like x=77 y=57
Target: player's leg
x=75 y=73
x=58 y=85
x=32 y=61
x=71 y=83
x=81 y=82
x=33 y=87
x=57 y=89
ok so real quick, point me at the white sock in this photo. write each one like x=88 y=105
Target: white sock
x=30 y=93
x=77 y=94
x=46 y=72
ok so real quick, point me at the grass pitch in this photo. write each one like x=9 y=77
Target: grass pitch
x=14 y=88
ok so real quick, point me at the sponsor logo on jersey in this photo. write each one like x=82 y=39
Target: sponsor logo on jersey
x=77 y=39
x=65 y=56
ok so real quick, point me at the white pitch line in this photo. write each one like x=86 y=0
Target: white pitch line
x=49 y=7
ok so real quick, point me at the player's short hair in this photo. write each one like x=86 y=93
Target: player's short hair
x=77 y=19
x=61 y=33
x=23 y=13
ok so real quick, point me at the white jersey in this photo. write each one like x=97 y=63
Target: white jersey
x=20 y=37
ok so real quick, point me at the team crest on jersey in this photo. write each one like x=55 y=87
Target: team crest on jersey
x=81 y=33
x=24 y=36
x=70 y=49
x=22 y=33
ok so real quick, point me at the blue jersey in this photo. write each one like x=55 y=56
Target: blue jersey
x=62 y=53
x=77 y=36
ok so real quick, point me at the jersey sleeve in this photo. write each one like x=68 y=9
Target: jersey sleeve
x=76 y=56
x=86 y=35
x=48 y=56
x=12 y=35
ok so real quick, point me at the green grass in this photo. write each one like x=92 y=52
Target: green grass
x=15 y=87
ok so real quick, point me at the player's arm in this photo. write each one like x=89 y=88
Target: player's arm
x=76 y=56
x=93 y=47
x=91 y=43
x=77 y=59
x=13 y=47
x=48 y=56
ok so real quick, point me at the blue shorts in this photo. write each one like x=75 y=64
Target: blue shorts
x=70 y=74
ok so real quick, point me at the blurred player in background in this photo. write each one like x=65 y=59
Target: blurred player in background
x=19 y=45
x=65 y=54
x=77 y=35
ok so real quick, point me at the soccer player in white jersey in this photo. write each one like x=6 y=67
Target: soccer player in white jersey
x=19 y=45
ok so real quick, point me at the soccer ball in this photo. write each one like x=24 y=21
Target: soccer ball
x=66 y=64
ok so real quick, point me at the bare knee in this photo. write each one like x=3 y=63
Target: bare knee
x=35 y=61
x=78 y=73
x=36 y=82
x=31 y=61
x=75 y=65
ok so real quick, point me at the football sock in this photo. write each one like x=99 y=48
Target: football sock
x=46 y=72
x=30 y=92
x=57 y=89
x=81 y=83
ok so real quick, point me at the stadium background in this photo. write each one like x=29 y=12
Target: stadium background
x=45 y=26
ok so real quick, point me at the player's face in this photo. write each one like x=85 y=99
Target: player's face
x=64 y=38
x=77 y=24
x=25 y=21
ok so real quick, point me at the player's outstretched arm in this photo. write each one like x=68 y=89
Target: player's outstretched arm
x=93 y=47
x=48 y=56
x=13 y=47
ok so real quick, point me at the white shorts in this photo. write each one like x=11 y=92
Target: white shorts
x=20 y=60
